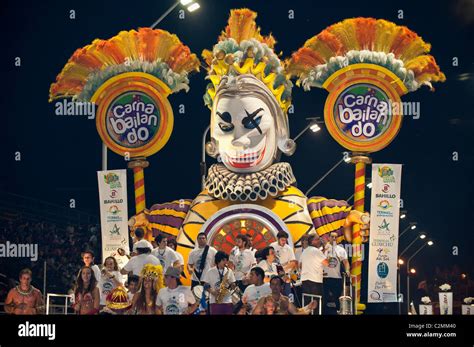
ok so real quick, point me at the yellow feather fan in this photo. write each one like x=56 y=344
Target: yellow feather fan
x=365 y=40
x=157 y=52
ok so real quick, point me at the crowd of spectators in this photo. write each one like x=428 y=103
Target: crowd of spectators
x=59 y=247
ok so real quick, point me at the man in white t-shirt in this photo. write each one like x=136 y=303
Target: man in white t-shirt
x=165 y=254
x=257 y=289
x=136 y=263
x=313 y=261
x=336 y=254
x=198 y=265
x=284 y=252
x=173 y=245
x=216 y=275
x=88 y=259
x=242 y=259
x=175 y=299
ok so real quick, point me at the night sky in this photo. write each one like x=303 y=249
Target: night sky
x=61 y=154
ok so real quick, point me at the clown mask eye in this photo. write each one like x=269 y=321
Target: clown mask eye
x=251 y=123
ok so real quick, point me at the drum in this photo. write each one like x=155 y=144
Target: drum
x=198 y=291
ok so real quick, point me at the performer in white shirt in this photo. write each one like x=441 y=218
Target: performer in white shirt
x=110 y=278
x=312 y=262
x=136 y=263
x=165 y=254
x=200 y=259
x=242 y=259
x=300 y=250
x=173 y=245
x=285 y=255
x=256 y=290
x=214 y=278
x=175 y=299
x=336 y=254
x=267 y=264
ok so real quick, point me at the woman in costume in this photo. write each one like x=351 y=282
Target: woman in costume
x=109 y=280
x=151 y=281
x=86 y=293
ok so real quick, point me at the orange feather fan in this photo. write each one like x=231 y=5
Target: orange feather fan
x=369 y=34
x=143 y=46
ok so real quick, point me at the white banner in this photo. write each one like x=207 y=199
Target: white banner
x=384 y=219
x=445 y=303
x=113 y=213
x=425 y=309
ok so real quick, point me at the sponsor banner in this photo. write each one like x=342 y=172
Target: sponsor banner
x=425 y=309
x=113 y=213
x=467 y=309
x=445 y=303
x=384 y=220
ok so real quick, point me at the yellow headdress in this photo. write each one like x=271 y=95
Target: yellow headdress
x=154 y=272
x=243 y=50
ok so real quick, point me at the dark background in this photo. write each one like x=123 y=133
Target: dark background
x=61 y=154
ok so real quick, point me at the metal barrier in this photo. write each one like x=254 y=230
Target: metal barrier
x=311 y=298
x=64 y=307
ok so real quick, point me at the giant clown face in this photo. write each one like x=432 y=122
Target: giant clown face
x=244 y=131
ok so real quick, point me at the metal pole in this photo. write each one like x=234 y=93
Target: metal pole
x=404 y=231
x=406 y=249
x=324 y=176
x=399 y=289
x=408 y=275
x=302 y=132
x=203 y=158
x=44 y=279
x=104 y=157
x=168 y=11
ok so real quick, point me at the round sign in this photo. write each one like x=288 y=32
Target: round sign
x=134 y=116
x=363 y=110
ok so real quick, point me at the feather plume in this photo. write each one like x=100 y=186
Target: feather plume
x=365 y=40
x=157 y=52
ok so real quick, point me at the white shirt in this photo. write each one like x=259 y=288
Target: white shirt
x=175 y=301
x=284 y=254
x=106 y=285
x=180 y=258
x=136 y=264
x=335 y=256
x=298 y=253
x=194 y=259
x=166 y=256
x=214 y=278
x=270 y=269
x=311 y=265
x=97 y=273
x=253 y=293
x=243 y=262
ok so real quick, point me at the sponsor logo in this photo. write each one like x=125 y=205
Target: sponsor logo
x=383 y=254
x=113 y=180
x=384 y=213
x=115 y=230
x=114 y=193
x=382 y=270
x=384 y=227
x=375 y=295
x=113 y=201
x=385 y=196
x=386 y=188
x=384 y=204
x=381 y=243
x=386 y=173
x=114 y=209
